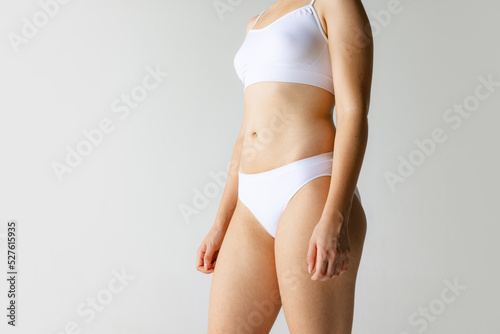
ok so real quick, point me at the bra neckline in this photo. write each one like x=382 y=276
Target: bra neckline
x=279 y=18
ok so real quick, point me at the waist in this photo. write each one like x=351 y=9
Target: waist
x=284 y=141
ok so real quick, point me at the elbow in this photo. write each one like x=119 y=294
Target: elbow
x=352 y=114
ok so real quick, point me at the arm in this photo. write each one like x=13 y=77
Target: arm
x=351 y=51
x=230 y=195
x=208 y=250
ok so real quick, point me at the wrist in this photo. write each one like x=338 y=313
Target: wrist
x=335 y=216
x=221 y=224
x=224 y=215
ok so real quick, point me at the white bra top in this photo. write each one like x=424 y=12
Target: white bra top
x=294 y=48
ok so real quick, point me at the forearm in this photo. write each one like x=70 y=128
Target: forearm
x=230 y=195
x=348 y=153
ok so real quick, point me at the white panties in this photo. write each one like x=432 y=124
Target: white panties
x=266 y=194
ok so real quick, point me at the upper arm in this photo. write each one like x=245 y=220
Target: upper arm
x=350 y=44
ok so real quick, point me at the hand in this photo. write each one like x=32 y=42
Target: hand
x=209 y=249
x=329 y=249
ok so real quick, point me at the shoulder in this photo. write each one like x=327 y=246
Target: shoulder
x=347 y=17
x=340 y=8
x=251 y=23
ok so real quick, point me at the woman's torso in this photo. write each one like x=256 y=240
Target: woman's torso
x=286 y=121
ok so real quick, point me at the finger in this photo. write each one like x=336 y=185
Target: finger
x=338 y=268
x=207 y=259
x=211 y=265
x=311 y=256
x=210 y=269
x=214 y=259
x=201 y=268
x=200 y=255
x=321 y=265
x=345 y=265
x=342 y=266
x=330 y=270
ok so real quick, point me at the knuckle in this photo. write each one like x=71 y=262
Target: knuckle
x=322 y=251
x=332 y=252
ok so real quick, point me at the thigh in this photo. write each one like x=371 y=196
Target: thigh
x=244 y=293
x=315 y=307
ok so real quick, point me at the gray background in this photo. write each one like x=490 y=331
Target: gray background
x=120 y=208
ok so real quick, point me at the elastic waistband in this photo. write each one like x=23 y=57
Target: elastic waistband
x=289 y=74
x=315 y=159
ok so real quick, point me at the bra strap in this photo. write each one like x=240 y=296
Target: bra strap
x=258 y=17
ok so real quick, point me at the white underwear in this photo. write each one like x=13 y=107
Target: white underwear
x=266 y=194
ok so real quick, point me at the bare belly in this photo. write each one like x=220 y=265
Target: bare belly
x=285 y=122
